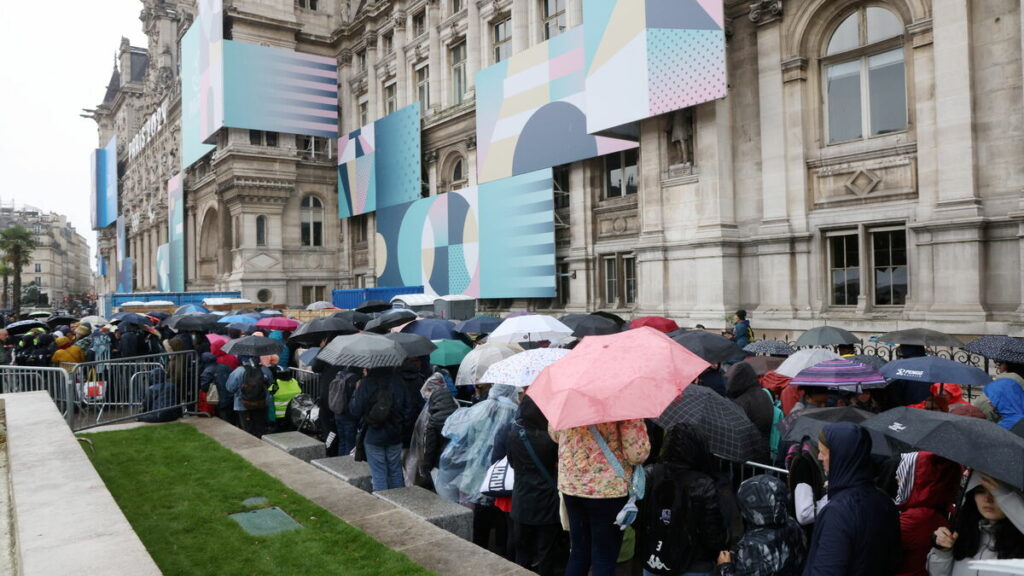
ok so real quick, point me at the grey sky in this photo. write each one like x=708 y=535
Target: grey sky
x=56 y=58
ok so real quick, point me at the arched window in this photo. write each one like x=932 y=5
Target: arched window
x=311 y=215
x=864 y=76
x=458 y=174
x=261 y=230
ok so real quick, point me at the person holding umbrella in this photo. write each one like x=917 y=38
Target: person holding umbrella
x=381 y=403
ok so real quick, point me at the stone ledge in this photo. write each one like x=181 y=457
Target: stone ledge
x=297 y=444
x=347 y=469
x=429 y=506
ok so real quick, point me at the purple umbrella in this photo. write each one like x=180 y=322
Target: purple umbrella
x=841 y=373
x=432 y=329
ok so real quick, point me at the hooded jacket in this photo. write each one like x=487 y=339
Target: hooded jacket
x=534 y=497
x=745 y=390
x=858 y=532
x=773 y=544
x=67 y=352
x=363 y=399
x=229 y=360
x=216 y=374
x=1007 y=398
x=936 y=482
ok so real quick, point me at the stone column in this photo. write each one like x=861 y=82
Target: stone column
x=581 y=218
x=349 y=119
x=573 y=13
x=474 y=48
x=521 y=26
x=713 y=125
x=402 y=62
x=435 y=58
x=372 y=88
x=773 y=126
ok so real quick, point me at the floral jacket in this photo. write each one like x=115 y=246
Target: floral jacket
x=584 y=471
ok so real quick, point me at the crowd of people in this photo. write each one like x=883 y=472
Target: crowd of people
x=828 y=504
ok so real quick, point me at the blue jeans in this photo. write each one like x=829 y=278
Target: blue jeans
x=346 y=429
x=385 y=466
x=595 y=539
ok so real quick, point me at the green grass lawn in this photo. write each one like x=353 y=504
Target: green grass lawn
x=177 y=488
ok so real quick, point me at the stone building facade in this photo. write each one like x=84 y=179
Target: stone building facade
x=865 y=169
x=59 y=265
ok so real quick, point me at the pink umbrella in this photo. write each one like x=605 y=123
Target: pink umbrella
x=633 y=374
x=278 y=323
x=657 y=322
x=214 y=338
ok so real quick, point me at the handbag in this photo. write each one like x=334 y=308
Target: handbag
x=359 y=454
x=498 y=480
x=563 y=512
x=637 y=484
x=92 y=390
x=212 y=395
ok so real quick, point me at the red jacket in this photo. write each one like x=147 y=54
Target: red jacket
x=936 y=483
x=222 y=357
x=779 y=385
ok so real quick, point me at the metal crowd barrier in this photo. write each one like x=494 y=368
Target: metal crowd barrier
x=309 y=381
x=55 y=381
x=741 y=471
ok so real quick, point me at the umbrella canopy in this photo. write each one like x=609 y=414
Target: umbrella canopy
x=613 y=317
x=840 y=373
x=241 y=327
x=998 y=348
x=271 y=312
x=476 y=363
x=158 y=315
x=312 y=333
x=810 y=421
x=392 y=319
x=241 y=318
x=363 y=350
x=762 y=364
x=449 y=353
x=321 y=305
x=935 y=369
x=192 y=322
x=728 y=431
x=522 y=369
x=371 y=306
x=973 y=442
x=769 y=347
x=589 y=325
x=137 y=319
x=252 y=346
x=804 y=359
x=659 y=323
x=309 y=356
x=709 y=346
x=431 y=329
x=191 y=309
x=632 y=374
x=94 y=320
x=481 y=324
x=58 y=320
x=529 y=328
x=826 y=336
x=358 y=319
x=413 y=344
x=875 y=362
x=921 y=337
x=215 y=338
x=23 y=326
x=277 y=323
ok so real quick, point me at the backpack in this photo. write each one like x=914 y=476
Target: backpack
x=667 y=545
x=775 y=438
x=380 y=405
x=160 y=403
x=100 y=349
x=254 y=388
x=804 y=468
x=340 y=392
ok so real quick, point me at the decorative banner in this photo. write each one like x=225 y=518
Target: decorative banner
x=645 y=58
x=175 y=234
x=379 y=164
x=103 y=189
x=163 y=268
x=125 y=264
x=531 y=111
x=492 y=241
x=192 y=70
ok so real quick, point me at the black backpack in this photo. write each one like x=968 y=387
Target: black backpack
x=667 y=543
x=340 y=391
x=380 y=405
x=254 y=388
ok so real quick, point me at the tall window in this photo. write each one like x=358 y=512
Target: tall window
x=311 y=215
x=261 y=230
x=419 y=23
x=390 y=98
x=864 y=75
x=364 y=111
x=629 y=279
x=423 y=87
x=388 y=42
x=456 y=6
x=458 y=175
x=844 y=266
x=311 y=4
x=502 y=38
x=39 y=268
x=621 y=175
x=611 y=280
x=457 y=58
x=312 y=294
x=560 y=176
x=361 y=60
x=554 y=18
x=889 y=263
x=885 y=266
x=564 y=282
x=261 y=138
x=360 y=226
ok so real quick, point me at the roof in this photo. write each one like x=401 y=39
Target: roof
x=113 y=85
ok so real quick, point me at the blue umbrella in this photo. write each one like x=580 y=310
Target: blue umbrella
x=244 y=318
x=482 y=324
x=190 y=309
x=131 y=318
x=432 y=329
x=159 y=315
x=934 y=369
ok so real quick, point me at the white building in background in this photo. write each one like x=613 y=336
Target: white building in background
x=59 y=265
x=865 y=170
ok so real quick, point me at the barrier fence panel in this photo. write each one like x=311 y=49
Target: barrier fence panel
x=54 y=381
x=125 y=388
x=309 y=381
x=740 y=471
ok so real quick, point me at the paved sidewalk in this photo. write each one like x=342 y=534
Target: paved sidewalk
x=424 y=543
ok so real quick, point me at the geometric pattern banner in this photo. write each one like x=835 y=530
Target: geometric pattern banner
x=667 y=54
x=175 y=235
x=124 y=264
x=163 y=268
x=496 y=240
x=103 y=200
x=532 y=110
x=192 y=94
x=379 y=165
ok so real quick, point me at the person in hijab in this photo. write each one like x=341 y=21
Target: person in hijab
x=427 y=442
x=773 y=544
x=858 y=531
x=927 y=491
x=1007 y=397
x=745 y=390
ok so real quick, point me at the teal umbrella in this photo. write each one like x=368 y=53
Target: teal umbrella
x=449 y=352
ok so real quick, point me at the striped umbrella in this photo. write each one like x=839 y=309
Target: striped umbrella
x=841 y=373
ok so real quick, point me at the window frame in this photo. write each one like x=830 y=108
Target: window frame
x=422 y=85
x=606 y=174
x=500 y=45
x=457 y=71
x=831 y=266
x=419 y=23
x=864 y=236
x=871 y=232
x=390 y=93
x=261 y=231
x=313 y=293
x=388 y=43
x=555 y=17
x=609 y=280
x=311 y=216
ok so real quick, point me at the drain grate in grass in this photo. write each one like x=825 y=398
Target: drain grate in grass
x=266 y=521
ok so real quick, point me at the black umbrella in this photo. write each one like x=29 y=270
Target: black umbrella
x=192 y=322
x=23 y=326
x=482 y=324
x=769 y=347
x=132 y=318
x=252 y=346
x=613 y=317
x=54 y=321
x=761 y=364
x=385 y=322
x=710 y=346
x=371 y=306
x=810 y=421
x=998 y=348
x=313 y=332
x=921 y=337
x=589 y=325
x=826 y=336
x=875 y=362
x=413 y=344
x=159 y=315
x=934 y=369
x=730 y=434
x=363 y=350
x=973 y=442
x=358 y=319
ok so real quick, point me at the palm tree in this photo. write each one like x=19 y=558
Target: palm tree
x=5 y=273
x=17 y=243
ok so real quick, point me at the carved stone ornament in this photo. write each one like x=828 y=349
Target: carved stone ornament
x=765 y=11
x=862 y=183
x=399 y=19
